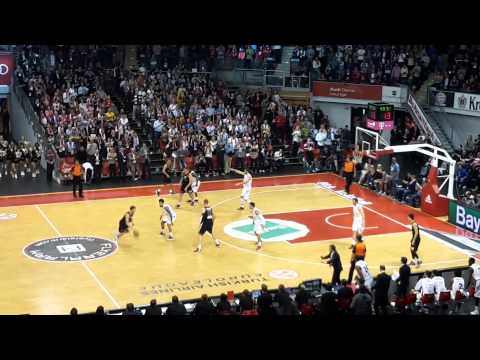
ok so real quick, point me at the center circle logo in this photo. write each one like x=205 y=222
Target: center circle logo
x=7 y=216
x=275 y=230
x=70 y=249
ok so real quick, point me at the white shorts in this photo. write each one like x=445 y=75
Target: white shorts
x=258 y=229
x=368 y=284
x=357 y=226
x=167 y=220
x=196 y=187
x=246 y=193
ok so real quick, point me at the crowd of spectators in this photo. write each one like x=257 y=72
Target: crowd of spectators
x=373 y=64
x=206 y=58
x=202 y=124
x=457 y=68
x=467 y=175
x=432 y=293
x=79 y=117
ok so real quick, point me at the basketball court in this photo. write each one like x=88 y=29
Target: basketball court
x=57 y=252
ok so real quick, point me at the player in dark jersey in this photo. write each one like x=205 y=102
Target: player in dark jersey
x=186 y=187
x=126 y=223
x=206 y=225
x=167 y=172
x=415 y=241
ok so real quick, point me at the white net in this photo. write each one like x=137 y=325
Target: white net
x=369 y=140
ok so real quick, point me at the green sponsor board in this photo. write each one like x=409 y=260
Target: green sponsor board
x=464 y=217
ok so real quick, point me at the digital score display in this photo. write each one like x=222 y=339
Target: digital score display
x=380 y=116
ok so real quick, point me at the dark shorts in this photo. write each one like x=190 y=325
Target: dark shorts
x=183 y=189
x=415 y=245
x=167 y=180
x=122 y=228
x=206 y=227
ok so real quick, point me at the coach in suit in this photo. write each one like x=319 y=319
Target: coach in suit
x=176 y=307
x=335 y=262
x=153 y=309
x=382 y=284
x=403 y=281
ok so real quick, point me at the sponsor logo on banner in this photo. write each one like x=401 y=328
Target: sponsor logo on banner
x=347 y=91
x=254 y=279
x=70 y=249
x=7 y=65
x=464 y=217
x=342 y=193
x=275 y=230
x=379 y=125
x=467 y=102
x=283 y=274
x=7 y=216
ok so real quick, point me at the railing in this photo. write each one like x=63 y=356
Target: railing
x=421 y=119
x=264 y=78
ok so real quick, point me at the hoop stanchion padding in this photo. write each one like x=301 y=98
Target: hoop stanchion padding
x=377 y=154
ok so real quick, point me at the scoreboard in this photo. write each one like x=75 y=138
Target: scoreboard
x=380 y=116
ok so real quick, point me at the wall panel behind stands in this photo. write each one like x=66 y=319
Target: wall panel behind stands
x=18 y=121
x=339 y=114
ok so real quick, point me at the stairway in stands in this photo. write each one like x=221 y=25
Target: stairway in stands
x=432 y=117
x=421 y=97
x=286 y=55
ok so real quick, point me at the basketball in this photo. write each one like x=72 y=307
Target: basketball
x=136 y=233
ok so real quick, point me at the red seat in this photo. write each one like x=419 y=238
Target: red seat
x=409 y=299
x=306 y=309
x=459 y=296
x=249 y=312
x=344 y=304
x=105 y=169
x=445 y=296
x=471 y=292
x=427 y=299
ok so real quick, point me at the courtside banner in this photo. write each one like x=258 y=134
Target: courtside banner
x=464 y=217
x=467 y=102
x=347 y=91
x=7 y=66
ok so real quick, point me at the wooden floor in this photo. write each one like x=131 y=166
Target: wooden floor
x=151 y=267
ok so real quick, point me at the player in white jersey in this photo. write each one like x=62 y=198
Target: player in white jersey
x=258 y=224
x=358 y=220
x=439 y=283
x=458 y=289
x=364 y=274
x=195 y=184
x=168 y=217
x=247 y=187
x=474 y=280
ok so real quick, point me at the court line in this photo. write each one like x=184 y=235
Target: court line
x=166 y=196
x=327 y=220
x=85 y=266
x=408 y=227
x=257 y=253
x=150 y=186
